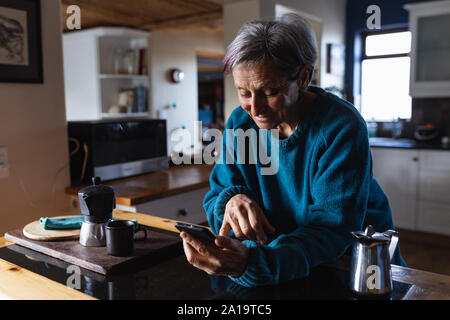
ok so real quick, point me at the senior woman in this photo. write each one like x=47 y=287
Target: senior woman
x=286 y=223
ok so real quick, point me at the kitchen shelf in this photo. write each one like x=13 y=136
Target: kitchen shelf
x=124 y=115
x=91 y=86
x=123 y=76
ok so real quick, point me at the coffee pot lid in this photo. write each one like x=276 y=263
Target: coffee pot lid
x=370 y=236
x=97 y=200
x=96 y=189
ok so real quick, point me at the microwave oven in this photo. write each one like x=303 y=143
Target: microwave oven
x=112 y=149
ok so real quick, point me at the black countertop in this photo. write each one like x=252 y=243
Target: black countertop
x=381 y=142
x=175 y=279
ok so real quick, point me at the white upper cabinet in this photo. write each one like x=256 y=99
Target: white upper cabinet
x=106 y=73
x=429 y=24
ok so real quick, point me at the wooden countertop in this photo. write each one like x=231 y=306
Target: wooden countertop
x=19 y=283
x=178 y=179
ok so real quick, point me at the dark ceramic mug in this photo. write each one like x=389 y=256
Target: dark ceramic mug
x=120 y=236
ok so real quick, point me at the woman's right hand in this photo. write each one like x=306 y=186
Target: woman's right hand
x=247 y=220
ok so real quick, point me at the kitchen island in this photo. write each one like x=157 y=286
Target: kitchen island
x=23 y=276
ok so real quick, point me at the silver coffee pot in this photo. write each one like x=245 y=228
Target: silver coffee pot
x=370 y=268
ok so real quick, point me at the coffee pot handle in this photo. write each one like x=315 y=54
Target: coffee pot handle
x=393 y=235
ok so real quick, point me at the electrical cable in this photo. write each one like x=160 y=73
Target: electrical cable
x=77 y=147
x=77 y=143
x=83 y=169
x=22 y=185
x=24 y=190
x=72 y=153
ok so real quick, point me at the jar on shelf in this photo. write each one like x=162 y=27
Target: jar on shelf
x=120 y=65
x=123 y=61
x=129 y=61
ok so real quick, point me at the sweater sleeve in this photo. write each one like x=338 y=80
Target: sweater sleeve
x=339 y=187
x=226 y=180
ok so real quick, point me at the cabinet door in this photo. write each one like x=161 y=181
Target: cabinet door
x=434 y=186
x=433 y=48
x=187 y=207
x=397 y=173
x=434 y=217
x=430 y=66
x=434 y=192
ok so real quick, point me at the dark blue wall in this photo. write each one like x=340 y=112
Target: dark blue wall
x=392 y=15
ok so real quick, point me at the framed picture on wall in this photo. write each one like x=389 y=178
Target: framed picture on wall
x=336 y=59
x=20 y=41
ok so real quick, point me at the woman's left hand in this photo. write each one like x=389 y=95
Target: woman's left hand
x=230 y=258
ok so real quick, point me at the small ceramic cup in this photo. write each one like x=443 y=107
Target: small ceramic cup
x=120 y=237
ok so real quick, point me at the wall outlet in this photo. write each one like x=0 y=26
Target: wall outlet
x=4 y=163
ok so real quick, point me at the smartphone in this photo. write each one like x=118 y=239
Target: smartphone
x=201 y=233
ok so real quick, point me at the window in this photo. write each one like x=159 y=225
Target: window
x=385 y=75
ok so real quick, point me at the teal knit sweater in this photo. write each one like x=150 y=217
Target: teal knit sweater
x=323 y=189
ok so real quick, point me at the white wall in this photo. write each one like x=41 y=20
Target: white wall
x=235 y=14
x=168 y=50
x=331 y=12
x=33 y=127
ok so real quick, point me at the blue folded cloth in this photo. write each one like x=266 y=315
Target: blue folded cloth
x=67 y=223
x=61 y=223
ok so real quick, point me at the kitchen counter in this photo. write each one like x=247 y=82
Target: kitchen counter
x=26 y=275
x=140 y=189
x=381 y=142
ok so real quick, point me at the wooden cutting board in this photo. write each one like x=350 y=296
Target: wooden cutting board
x=96 y=259
x=35 y=231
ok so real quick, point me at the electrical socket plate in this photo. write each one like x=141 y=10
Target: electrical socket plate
x=4 y=164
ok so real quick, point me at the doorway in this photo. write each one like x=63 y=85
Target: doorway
x=210 y=90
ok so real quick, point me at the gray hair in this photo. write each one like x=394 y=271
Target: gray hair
x=288 y=42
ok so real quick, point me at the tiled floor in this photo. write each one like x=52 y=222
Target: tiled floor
x=425 y=251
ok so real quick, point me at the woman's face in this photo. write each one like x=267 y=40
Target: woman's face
x=265 y=94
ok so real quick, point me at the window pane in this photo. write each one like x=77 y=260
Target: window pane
x=388 y=43
x=385 y=89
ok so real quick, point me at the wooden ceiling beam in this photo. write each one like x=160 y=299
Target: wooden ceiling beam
x=197 y=5
x=150 y=14
x=184 y=20
x=96 y=9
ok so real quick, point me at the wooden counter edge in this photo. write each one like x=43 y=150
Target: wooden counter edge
x=148 y=220
x=136 y=200
x=4 y=243
x=425 y=285
x=17 y=283
x=139 y=199
x=21 y=284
